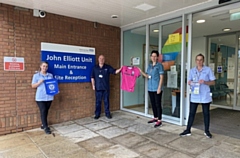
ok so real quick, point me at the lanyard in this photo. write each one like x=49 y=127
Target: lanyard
x=197 y=75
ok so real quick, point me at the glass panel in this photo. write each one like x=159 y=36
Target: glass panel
x=222 y=61
x=219 y=24
x=169 y=46
x=238 y=93
x=133 y=47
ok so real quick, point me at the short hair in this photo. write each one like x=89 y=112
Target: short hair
x=200 y=55
x=155 y=51
x=44 y=62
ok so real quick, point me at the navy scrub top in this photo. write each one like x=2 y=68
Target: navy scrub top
x=101 y=76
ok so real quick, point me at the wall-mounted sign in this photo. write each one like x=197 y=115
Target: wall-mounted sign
x=135 y=60
x=13 y=64
x=219 y=69
x=68 y=63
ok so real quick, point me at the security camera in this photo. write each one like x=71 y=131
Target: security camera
x=42 y=13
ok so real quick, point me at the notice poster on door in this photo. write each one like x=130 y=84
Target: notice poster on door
x=230 y=68
x=219 y=69
x=212 y=66
x=136 y=61
x=172 y=79
x=173 y=69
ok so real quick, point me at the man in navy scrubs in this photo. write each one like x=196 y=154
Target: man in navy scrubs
x=100 y=83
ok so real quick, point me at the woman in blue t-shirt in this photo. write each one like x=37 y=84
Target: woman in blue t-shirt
x=43 y=100
x=200 y=79
x=154 y=74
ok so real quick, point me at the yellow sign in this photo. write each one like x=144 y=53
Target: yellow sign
x=174 y=38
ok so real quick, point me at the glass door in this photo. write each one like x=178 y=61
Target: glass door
x=216 y=35
x=166 y=37
x=134 y=42
x=222 y=61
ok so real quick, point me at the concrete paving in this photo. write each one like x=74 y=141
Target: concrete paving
x=126 y=135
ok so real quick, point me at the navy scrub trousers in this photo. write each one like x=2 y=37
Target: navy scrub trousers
x=102 y=94
x=44 y=106
x=102 y=87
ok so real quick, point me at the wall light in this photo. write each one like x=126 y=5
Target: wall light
x=155 y=30
x=114 y=16
x=201 y=21
x=226 y=29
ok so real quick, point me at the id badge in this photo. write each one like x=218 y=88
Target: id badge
x=100 y=76
x=195 y=88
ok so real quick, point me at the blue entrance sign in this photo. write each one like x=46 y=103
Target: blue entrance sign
x=68 y=63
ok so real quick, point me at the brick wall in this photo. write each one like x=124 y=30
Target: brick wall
x=22 y=32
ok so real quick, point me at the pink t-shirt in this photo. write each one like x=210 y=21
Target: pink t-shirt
x=129 y=76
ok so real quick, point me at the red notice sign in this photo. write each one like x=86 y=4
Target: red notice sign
x=13 y=64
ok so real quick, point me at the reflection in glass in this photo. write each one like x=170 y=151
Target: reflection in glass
x=133 y=47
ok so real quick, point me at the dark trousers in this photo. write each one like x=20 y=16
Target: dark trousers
x=156 y=100
x=192 y=113
x=99 y=95
x=44 y=107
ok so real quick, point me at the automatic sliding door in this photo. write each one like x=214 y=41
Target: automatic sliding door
x=222 y=61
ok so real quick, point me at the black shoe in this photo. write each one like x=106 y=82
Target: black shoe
x=96 y=117
x=42 y=127
x=185 y=133
x=109 y=116
x=47 y=130
x=208 y=134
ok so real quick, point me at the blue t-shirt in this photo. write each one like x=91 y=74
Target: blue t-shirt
x=101 y=76
x=41 y=94
x=155 y=72
x=205 y=74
